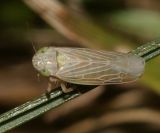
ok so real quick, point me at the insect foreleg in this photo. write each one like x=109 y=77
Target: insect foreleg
x=52 y=84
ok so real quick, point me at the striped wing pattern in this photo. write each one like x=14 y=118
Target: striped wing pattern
x=89 y=67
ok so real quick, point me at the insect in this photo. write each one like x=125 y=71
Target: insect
x=88 y=66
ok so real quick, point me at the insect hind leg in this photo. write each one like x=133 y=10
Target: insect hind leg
x=65 y=89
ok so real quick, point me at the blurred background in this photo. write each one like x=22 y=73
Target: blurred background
x=100 y=24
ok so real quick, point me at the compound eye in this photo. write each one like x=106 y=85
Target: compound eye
x=45 y=72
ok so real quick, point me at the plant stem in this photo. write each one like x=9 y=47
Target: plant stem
x=37 y=107
x=148 y=50
x=32 y=109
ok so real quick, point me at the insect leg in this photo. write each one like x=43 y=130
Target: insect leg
x=56 y=82
x=65 y=89
x=52 y=81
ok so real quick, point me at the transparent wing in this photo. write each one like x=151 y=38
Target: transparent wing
x=88 y=66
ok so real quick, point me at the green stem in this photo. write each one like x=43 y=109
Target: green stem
x=32 y=109
x=148 y=50
x=35 y=108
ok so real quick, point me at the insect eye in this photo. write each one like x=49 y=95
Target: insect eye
x=42 y=51
x=45 y=72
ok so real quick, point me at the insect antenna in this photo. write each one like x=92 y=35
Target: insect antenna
x=33 y=46
x=31 y=40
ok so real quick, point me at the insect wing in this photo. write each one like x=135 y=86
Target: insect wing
x=88 y=66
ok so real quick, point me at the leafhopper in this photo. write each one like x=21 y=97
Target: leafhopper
x=88 y=66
